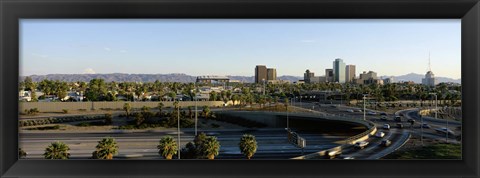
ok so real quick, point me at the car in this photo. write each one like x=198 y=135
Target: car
x=386 y=143
x=349 y=157
x=333 y=106
x=383 y=114
x=350 y=110
x=386 y=126
x=383 y=118
x=371 y=113
x=361 y=144
x=358 y=110
x=425 y=125
x=400 y=125
x=398 y=119
x=379 y=134
x=330 y=154
x=410 y=120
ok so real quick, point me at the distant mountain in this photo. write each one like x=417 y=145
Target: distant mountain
x=121 y=77
x=184 y=78
x=417 y=78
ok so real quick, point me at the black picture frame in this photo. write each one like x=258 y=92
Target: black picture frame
x=13 y=10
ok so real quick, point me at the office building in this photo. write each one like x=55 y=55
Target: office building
x=260 y=73
x=329 y=75
x=307 y=75
x=429 y=79
x=349 y=73
x=271 y=74
x=339 y=70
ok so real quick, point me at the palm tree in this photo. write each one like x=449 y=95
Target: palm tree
x=248 y=145
x=167 y=147
x=160 y=107
x=206 y=111
x=127 y=109
x=211 y=147
x=106 y=149
x=57 y=150
x=21 y=153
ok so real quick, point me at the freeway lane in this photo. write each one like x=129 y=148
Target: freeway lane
x=272 y=144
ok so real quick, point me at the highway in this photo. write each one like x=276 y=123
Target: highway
x=272 y=143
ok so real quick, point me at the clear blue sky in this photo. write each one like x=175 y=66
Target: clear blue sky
x=234 y=47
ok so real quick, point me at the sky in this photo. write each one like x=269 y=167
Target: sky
x=235 y=46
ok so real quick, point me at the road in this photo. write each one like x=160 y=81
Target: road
x=272 y=143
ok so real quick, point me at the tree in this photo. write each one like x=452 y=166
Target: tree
x=190 y=112
x=167 y=147
x=108 y=118
x=127 y=108
x=206 y=111
x=160 y=106
x=105 y=149
x=96 y=90
x=21 y=153
x=211 y=147
x=248 y=145
x=57 y=150
x=139 y=119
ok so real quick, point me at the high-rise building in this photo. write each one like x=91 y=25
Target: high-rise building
x=307 y=75
x=329 y=75
x=369 y=77
x=429 y=79
x=349 y=73
x=339 y=70
x=271 y=74
x=260 y=73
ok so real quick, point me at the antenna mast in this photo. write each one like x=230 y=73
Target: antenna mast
x=429 y=66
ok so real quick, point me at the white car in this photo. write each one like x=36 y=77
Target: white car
x=361 y=144
x=379 y=134
x=350 y=110
x=386 y=126
x=371 y=113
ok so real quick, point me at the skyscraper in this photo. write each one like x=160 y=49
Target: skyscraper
x=260 y=73
x=307 y=75
x=339 y=70
x=271 y=74
x=329 y=75
x=349 y=73
x=429 y=79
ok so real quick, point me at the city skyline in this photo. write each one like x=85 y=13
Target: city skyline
x=210 y=47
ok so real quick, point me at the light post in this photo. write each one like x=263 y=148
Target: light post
x=436 y=111
x=178 y=128
x=196 y=99
x=263 y=87
x=364 y=113
x=288 y=126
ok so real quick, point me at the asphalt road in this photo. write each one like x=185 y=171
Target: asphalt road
x=272 y=143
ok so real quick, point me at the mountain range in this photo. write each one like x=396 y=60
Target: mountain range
x=184 y=78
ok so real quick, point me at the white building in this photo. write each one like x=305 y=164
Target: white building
x=429 y=79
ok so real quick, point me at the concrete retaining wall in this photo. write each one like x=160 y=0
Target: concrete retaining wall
x=59 y=106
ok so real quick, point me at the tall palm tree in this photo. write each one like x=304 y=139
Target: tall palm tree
x=57 y=150
x=248 y=145
x=106 y=149
x=167 y=147
x=211 y=147
x=127 y=108
x=160 y=106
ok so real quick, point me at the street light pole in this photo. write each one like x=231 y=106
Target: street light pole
x=364 y=113
x=178 y=129
x=196 y=99
x=288 y=126
x=263 y=87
